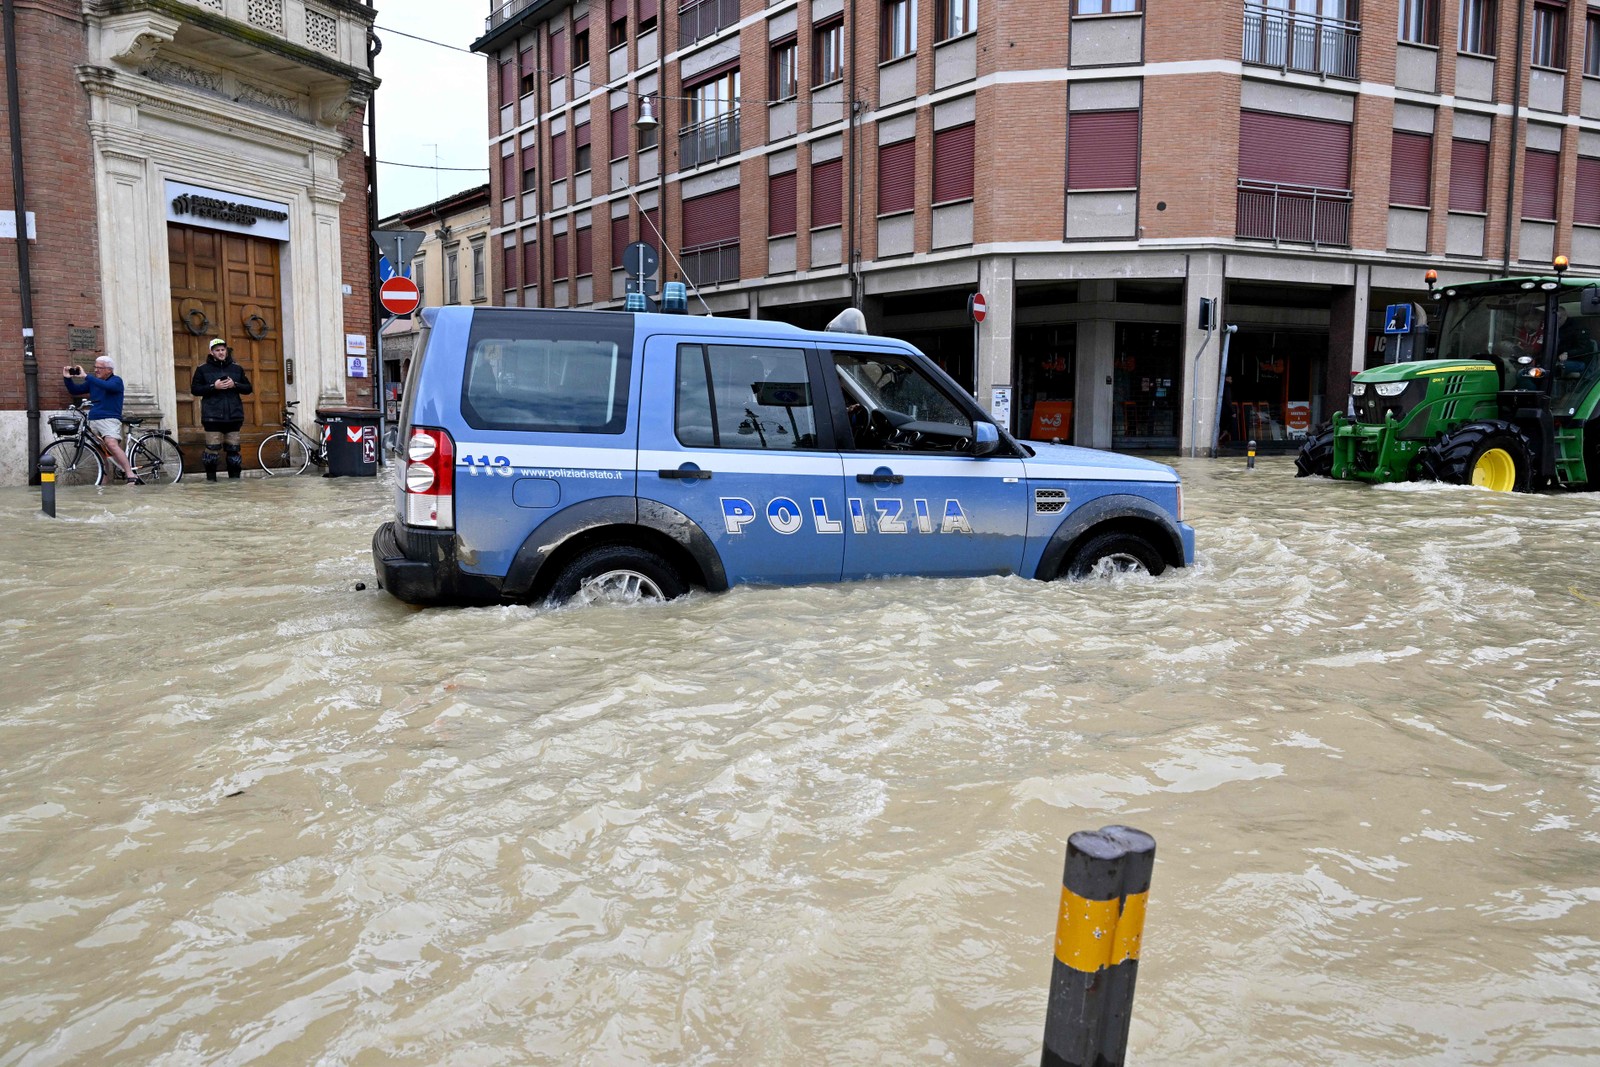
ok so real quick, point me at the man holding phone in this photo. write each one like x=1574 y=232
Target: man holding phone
x=104 y=391
x=219 y=382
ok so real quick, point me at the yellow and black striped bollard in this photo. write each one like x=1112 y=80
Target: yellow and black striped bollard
x=1103 y=893
x=47 y=485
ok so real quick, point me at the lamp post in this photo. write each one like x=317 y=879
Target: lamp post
x=646 y=122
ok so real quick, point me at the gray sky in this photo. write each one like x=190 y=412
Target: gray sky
x=432 y=100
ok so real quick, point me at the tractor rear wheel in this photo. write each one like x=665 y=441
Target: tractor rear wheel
x=1494 y=455
x=1316 y=456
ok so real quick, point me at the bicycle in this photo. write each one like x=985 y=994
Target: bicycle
x=81 y=459
x=291 y=450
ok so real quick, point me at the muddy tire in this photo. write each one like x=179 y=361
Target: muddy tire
x=1115 y=551
x=1316 y=456
x=1495 y=455
x=610 y=574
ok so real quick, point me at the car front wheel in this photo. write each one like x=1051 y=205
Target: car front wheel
x=1114 y=552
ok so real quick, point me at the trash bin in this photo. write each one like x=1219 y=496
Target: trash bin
x=352 y=438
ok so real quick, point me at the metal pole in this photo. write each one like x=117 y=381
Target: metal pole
x=47 y=485
x=374 y=46
x=30 y=363
x=1099 y=930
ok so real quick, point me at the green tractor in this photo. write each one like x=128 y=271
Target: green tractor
x=1509 y=402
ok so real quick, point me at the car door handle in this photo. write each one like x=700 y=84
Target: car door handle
x=686 y=475
x=884 y=478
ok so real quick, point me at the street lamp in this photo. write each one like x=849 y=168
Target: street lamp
x=644 y=124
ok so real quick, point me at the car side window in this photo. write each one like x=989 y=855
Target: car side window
x=744 y=396
x=894 y=406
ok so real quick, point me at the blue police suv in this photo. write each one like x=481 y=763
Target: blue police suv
x=600 y=455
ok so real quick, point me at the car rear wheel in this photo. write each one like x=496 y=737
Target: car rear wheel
x=1114 y=552
x=1493 y=455
x=617 y=574
x=1316 y=456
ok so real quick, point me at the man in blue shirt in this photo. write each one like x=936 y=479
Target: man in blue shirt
x=105 y=408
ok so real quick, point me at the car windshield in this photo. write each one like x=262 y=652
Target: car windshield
x=1496 y=325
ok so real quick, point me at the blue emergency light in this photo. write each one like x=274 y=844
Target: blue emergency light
x=675 y=298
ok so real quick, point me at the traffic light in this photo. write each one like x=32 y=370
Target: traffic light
x=1207 y=321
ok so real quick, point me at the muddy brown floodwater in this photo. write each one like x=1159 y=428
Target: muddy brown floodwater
x=249 y=814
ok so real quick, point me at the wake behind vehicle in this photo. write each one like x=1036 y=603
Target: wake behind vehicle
x=1508 y=404
x=553 y=455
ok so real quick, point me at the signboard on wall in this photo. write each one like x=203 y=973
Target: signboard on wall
x=219 y=209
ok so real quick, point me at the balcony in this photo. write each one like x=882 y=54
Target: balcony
x=701 y=18
x=500 y=14
x=709 y=141
x=1304 y=43
x=1299 y=214
x=711 y=264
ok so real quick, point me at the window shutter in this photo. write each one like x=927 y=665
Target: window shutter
x=711 y=219
x=1410 y=167
x=558 y=55
x=580 y=24
x=558 y=156
x=619 y=133
x=508 y=267
x=1469 y=176
x=1294 y=151
x=530 y=162
x=508 y=177
x=526 y=64
x=581 y=135
x=1586 y=197
x=619 y=240
x=558 y=268
x=897 y=177
x=647 y=10
x=649 y=231
x=1103 y=150
x=953 y=164
x=530 y=260
x=508 y=83
x=827 y=193
x=585 y=251
x=618 y=9
x=1539 y=185
x=782 y=190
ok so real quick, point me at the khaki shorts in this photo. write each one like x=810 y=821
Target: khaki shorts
x=106 y=427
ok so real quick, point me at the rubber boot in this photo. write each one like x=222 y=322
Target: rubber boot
x=235 y=463
x=209 y=459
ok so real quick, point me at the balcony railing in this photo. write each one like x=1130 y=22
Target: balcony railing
x=1300 y=214
x=1309 y=44
x=500 y=14
x=711 y=264
x=702 y=18
x=708 y=141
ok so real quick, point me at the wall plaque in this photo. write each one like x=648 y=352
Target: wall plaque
x=83 y=338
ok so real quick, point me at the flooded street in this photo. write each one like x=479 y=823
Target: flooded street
x=249 y=814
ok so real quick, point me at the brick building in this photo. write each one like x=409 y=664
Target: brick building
x=1094 y=168
x=191 y=168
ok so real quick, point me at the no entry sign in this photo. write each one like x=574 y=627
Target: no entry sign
x=977 y=306
x=399 y=296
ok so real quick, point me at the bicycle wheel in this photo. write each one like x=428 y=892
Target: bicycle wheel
x=282 y=454
x=157 y=459
x=77 y=463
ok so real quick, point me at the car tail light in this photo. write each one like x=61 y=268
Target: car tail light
x=430 y=478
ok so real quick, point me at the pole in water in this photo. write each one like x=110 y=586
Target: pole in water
x=1250 y=454
x=1098 y=933
x=47 y=485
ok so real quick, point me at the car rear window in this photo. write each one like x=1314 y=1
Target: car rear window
x=545 y=373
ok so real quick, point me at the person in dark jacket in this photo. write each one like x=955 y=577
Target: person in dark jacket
x=219 y=382
x=104 y=391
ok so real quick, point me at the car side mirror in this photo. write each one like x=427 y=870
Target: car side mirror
x=985 y=438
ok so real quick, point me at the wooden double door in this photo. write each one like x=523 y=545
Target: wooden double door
x=227 y=285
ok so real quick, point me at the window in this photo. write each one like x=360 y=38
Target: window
x=711 y=128
x=452 y=275
x=519 y=376
x=419 y=275
x=1103 y=150
x=508 y=267
x=581 y=151
x=744 y=396
x=558 y=156
x=1539 y=184
x=528 y=69
x=508 y=83
x=1586 y=194
x=713 y=98
x=1469 y=176
x=897 y=177
x=782 y=190
x=647 y=15
x=560 y=250
x=1419 y=21
x=827 y=53
x=953 y=164
x=1591 y=45
x=619 y=133
x=530 y=167
x=619 y=241
x=898 y=33
x=650 y=228
x=480 y=284
x=827 y=193
x=1106 y=7
x=530 y=258
x=1477 y=26
x=1294 y=178
x=558 y=54
x=952 y=18
x=648 y=138
x=784 y=77
x=1410 y=169
x=711 y=237
x=580 y=43
x=584 y=240
x=890 y=390
x=1549 y=42
x=617 y=33
x=508 y=176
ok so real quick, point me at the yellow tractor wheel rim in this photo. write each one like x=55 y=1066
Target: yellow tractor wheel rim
x=1495 y=470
